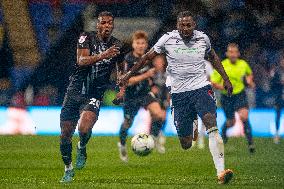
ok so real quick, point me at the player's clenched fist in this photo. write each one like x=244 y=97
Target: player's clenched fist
x=151 y=72
x=111 y=52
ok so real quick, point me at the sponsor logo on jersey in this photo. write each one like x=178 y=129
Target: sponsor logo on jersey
x=193 y=50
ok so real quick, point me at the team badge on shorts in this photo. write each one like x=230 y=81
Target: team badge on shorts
x=211 y=94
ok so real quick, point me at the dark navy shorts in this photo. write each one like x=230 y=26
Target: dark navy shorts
x=187 y=105
x=233 y=104
x=75 y=102
x=132 y=106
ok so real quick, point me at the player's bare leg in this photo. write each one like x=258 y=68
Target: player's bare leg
x=195 y=130
x=122 y=137
x=188 y=141
x=216 y=147
x=86 y=123
x=67 y=130
x=158 y=115
x=243 y=112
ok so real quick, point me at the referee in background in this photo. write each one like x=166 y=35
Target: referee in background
x=240 y=74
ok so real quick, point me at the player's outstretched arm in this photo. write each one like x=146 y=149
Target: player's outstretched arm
x=136 y=79
x=84 y=58
x=213 y=57
x=146 y=58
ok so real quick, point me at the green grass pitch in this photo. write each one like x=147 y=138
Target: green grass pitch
x=35 y=162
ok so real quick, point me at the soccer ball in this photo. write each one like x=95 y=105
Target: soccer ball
x=142 y=144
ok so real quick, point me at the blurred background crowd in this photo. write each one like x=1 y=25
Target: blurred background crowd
x=38 y=40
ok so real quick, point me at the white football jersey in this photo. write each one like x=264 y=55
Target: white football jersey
x=186 y=63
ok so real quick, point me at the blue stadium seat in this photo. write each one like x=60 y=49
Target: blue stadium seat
x=42 y=18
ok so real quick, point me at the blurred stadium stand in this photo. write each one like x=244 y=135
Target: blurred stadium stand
x=38 y=39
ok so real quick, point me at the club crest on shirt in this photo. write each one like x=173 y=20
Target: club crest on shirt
x=82 y=38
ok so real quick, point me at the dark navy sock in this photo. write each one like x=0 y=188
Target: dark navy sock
x=123 y=135
x=248 y=132
x=278 y=114
x=66 y=150
x=84 y=138
x=224 y=130
x=156 y=127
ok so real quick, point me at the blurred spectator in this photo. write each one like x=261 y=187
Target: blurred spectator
x=256 y=25
x=5 y=85
x=18 y=100
x=45 y=96
x=1 y=35
x=262 y=76
x=277 y=85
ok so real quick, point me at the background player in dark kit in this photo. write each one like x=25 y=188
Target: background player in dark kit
x=277 y=84
x=161 y=91
x=97 y=55
x=138 y=93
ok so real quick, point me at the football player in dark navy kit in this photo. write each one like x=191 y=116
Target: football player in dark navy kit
x=161 y=91
x=138 y=94
x=97 y=55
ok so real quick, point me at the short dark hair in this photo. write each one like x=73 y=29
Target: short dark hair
x=105 y=13
x=184 y=14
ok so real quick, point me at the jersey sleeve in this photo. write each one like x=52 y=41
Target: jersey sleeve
x=208 y=43
x=215 y=77
x=159 y=47
x=126 y=62
x=127 y=58
x=83 y=41
x=248 y=69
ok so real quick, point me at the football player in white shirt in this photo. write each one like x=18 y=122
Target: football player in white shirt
x=191 y=92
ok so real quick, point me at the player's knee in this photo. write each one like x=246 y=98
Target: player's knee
x=243 y=114
x=230 y=122
x=159 y=115
x=186 y=142
x=127 y=123
x=67 y=129
x=209 y=120
x=87 y=121
x=186 y=145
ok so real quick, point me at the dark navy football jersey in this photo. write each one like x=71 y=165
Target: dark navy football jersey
x=143 y=87
x=87 y=79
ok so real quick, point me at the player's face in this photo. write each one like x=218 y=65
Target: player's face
x=139 y=46
x=105 y=26
x=185 y=26
x=233 y=54
x=159 y=63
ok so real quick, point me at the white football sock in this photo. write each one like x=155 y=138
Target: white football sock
x=216 y=147
x=68 y=167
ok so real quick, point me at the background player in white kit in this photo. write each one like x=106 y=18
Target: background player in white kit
x=191 y=92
